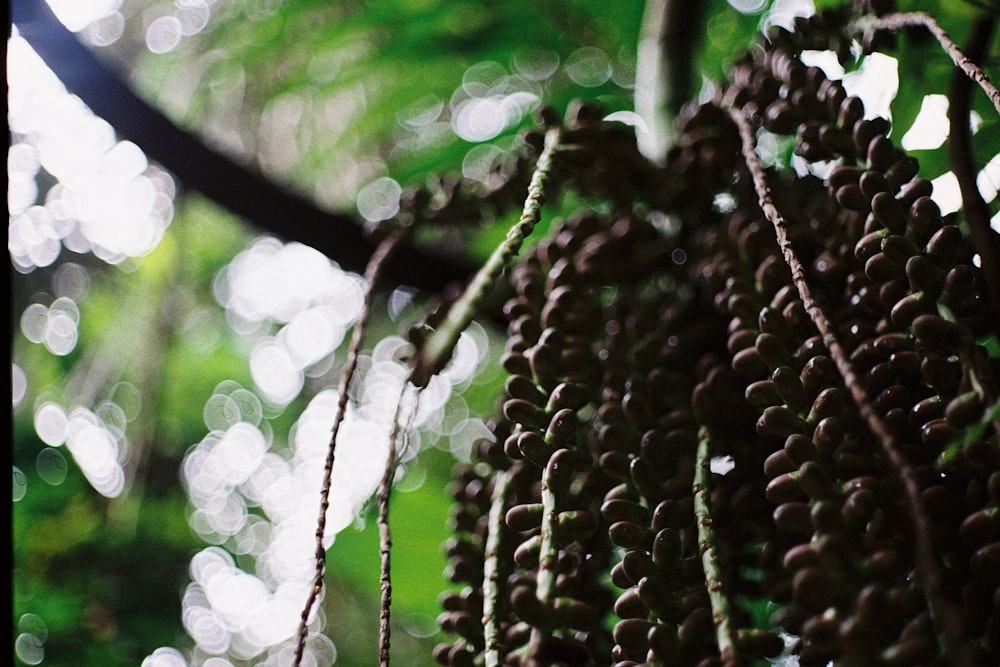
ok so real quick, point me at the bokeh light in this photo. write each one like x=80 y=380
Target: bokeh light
x=108 y=200
x=256 y=496
x=29 y=646
x=588 y=66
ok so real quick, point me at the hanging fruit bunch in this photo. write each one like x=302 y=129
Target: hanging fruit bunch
x=749 y=411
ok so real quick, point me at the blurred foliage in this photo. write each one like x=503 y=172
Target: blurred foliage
x=106 y=576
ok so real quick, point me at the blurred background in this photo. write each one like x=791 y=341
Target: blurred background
x=174 y=363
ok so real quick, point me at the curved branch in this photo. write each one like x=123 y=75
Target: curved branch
x=944 y=617
x=245 y=192
x=897 y=22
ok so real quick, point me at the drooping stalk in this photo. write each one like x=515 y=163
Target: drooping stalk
x=943 y=616
x=721 y=613
x=439 y=346
x=920 y=19
x=491 y=569
x=548 y=553
x=385 y=534
x=549 y=546
x=373 y=271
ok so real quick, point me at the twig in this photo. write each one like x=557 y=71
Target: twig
x=944 y=618
x=549 y=546
x=491 y=568
x=372 y=273
x=709 y=556
x=960 y=158
x=548 y=553
x=438 y=349
x=920 y=19
x=385 y=535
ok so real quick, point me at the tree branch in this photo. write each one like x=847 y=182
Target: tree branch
x=663 y=71
x=897 y=22
x=245 y=192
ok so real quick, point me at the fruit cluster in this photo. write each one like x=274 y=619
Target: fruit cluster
x=746 y=411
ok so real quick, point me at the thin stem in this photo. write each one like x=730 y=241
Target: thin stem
x=960 y=158
x=491 y=568
x=944 y=617
x=439 y=347
x=548 y=549
x=897 y=22
x=721 y=612
x=385 y=535
x=548 y=554
x=372 y=273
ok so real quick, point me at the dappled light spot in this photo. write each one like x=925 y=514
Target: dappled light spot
x=71 y=281
x=76 y=15
x=988 y=180
x=220 y=412
x=588 y=66
x=482 y=164
x=61 y=334
x=96 y=450
x=275 y=373
x=51 y=466
x=164 y=34
x=29 y=649
x=312 y=334
x=51 y=423
x=784 y=12
x=629 y=118
x=104 y=31
x=30 y=643
x=421 y=113
x=876 y=83
x=490 y=100
x=206 y=628
x=535 y=64
x=479 y=119
x=193 y=15
x=947 y=193
x=272 y=281
x=33 y=321
x=480 y=79
x=165 y=657
x=379 y=200
x=748 y=6
x=720 y=465
x=19 y=485
x=825 y=60
x=322 y=650
x=263 y=503
x=108 y=200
